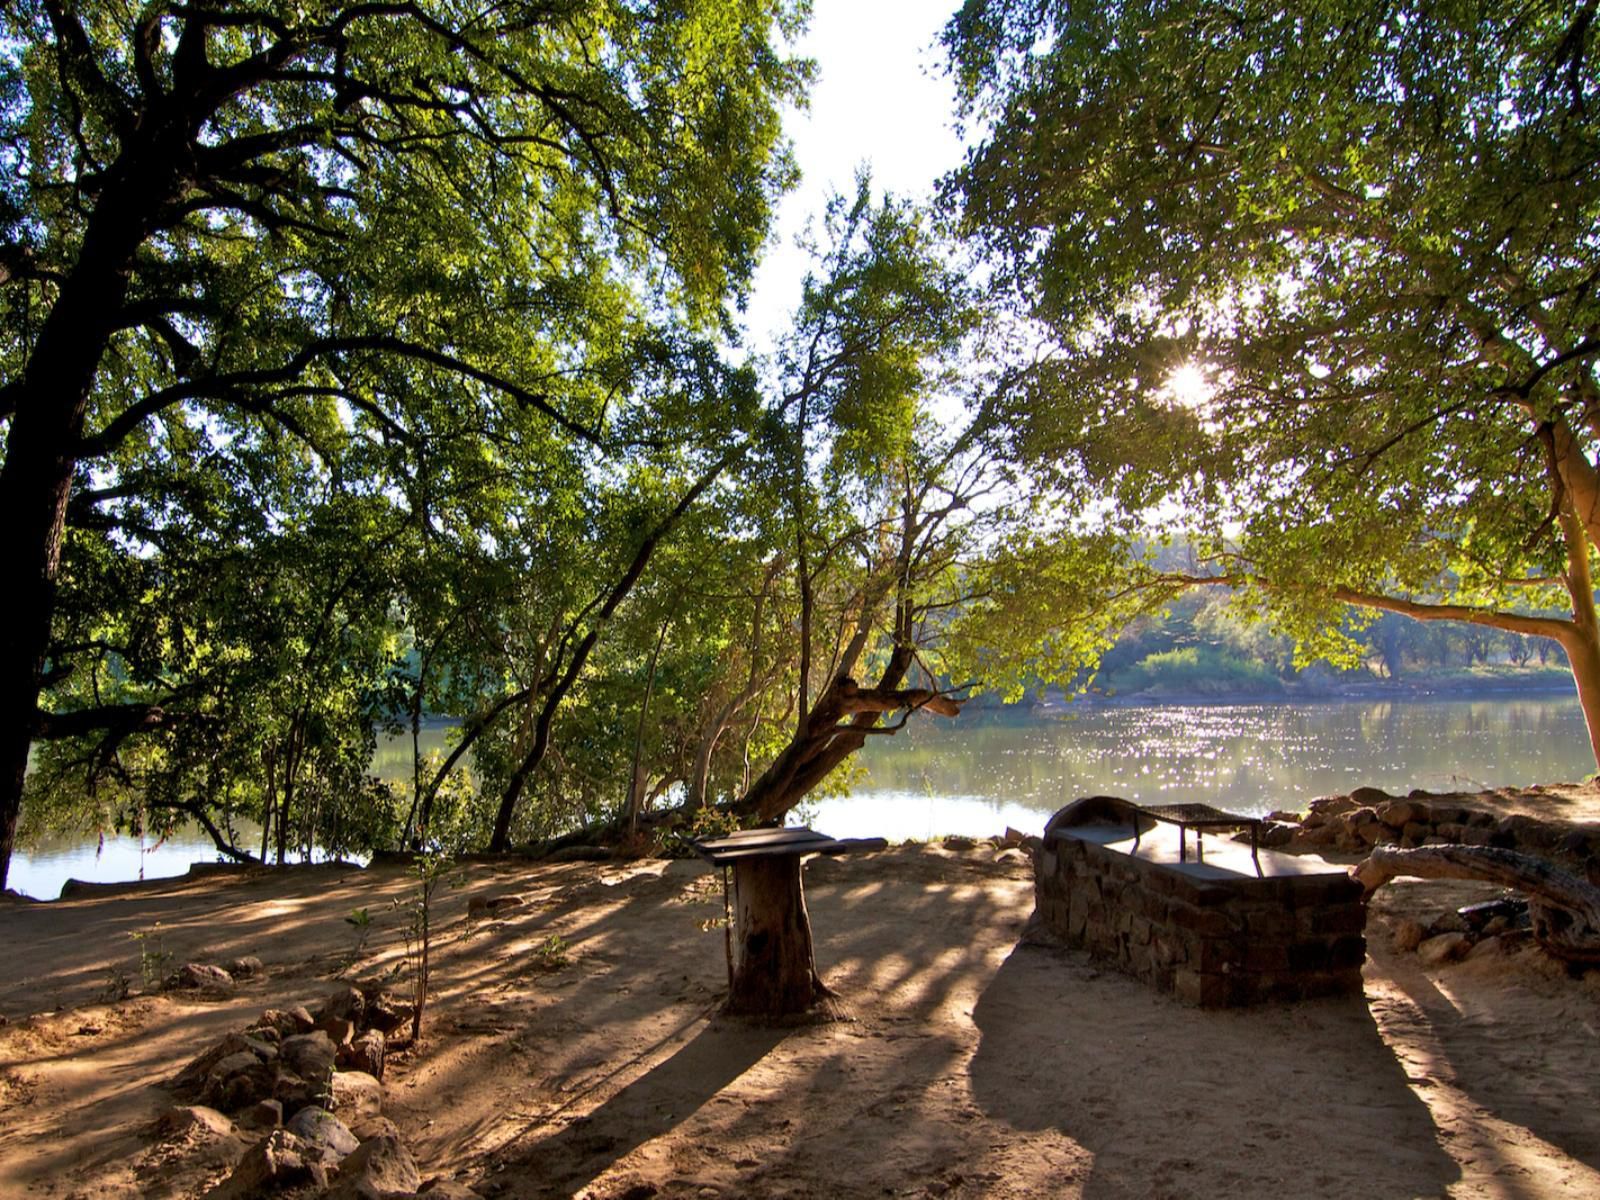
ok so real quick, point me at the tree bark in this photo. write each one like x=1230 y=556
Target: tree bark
x=845 y=715
x=1564 y=908
x=774 y=966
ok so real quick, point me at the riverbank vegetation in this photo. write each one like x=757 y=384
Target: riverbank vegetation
x=365 y=364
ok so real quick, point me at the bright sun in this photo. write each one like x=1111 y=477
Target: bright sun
x=1188 y=386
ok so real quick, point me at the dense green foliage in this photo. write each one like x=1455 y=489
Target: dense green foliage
x=1318 y=281
x=332 y=327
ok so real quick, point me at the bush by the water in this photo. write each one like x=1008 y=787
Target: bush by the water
x=1195 y=669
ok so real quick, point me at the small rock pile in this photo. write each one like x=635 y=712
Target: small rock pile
x=1369 y=817
x=212 y=979
x=311 y=1085
x=1488 y=930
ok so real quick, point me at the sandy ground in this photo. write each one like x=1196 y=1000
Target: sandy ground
x=975 y=1066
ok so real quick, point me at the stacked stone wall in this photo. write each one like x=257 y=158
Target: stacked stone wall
x=1211 y=943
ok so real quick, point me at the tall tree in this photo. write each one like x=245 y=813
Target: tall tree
x=1321 y=279
x=217 y=218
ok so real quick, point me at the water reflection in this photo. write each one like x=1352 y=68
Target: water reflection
x=983 y=772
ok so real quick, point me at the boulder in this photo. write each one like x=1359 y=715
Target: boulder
x=278 y=1162
x=380 y=1169
x=246 y=967
x=263 y=1114
x=1369 y=797
x=201 y=977
x=1408 y=935
x=494 y=906
x=1331 y=806
x=447 y=1189
x=320 y=1129
x=341 y=1032
x=1400 y=813
x=183 y=1118
x=356 y=1095
x=1450 y=922
x=238 y=1081
x=309 y=1055
x=386 y=1012
x=370 y=1127
x=1443 y=948
x=1489 y=947
x=287 y=1022
x=294 y=1093
x=365 y=1053
x=1276 y=833
x=347 y=1004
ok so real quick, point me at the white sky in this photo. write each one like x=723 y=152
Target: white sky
x=879 y=99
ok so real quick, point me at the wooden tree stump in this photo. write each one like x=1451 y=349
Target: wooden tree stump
x=1565 y=909
x=774 y=971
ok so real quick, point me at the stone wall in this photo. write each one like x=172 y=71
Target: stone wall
x=1213 y=938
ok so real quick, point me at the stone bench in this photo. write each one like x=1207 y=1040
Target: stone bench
x=1214 y=925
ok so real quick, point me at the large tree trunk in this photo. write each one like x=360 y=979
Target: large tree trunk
x=774 y=967
x=1564 y=908
x=845 y=715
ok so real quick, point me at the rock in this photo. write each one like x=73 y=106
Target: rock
x=1443 y=948
x=1400 y=813
x=237 y=1081
x=447 y=1189
x=202 y=977
x=277 y=1162
x=347 y=1004
x=1408 y=935
x=319 y=1128
x=185 y=1117
x=1276 y=833
x=493 y=906
x=263 y=1114
x=356 y=1095
x=1284 y=815
x=1450 y=922
x=1012 y=837
x=956 y=842
x=366 y=1053
x=1333 y=806
x=380 y=1169
x=294 y=1093
x=199 y=1069
x=1489 y=947
x=286 y=1021
x=1369 y=797
x=341 y=1032
x=386 y=1012
x=370 y=1127
x=309 y=1055
x=1011 y=855
x=247 y=967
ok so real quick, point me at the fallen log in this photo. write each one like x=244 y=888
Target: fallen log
x=1565 y=910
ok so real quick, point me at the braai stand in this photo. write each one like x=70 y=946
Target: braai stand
x=772 y=970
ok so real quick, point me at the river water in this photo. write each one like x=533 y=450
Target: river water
x=985 y=771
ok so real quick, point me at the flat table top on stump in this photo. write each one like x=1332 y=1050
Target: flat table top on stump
x=777 y=843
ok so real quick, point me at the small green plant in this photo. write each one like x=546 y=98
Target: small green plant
x=154 y=957
x=429 y=870
x=553 y=953
x=118 y=984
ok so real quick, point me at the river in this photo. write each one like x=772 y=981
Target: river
x=978 y=774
